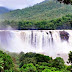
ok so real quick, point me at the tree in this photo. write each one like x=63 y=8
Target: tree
x=46 y=70
x=27 y=61
x=27 y=55
x=58 y=63
x=28 y=68
x=65 y=1
x=70 y=57
x=6 y=62
x=42 y=58
x=69 y=68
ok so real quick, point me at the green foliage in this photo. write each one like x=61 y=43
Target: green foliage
x=58 y=63
x=27 y=61
x=1 y=63
x=42 y=58
x=27 y=55
x=69 y=68
x=61 y=23
x=46 y=70
x=31 y=62
x=6 y=62
x=70 y=57
x=28 y=68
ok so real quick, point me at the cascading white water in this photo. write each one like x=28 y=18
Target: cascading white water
x=49 y=42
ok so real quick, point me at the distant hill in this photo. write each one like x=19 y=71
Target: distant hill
x=3 y=10
x=46 y=10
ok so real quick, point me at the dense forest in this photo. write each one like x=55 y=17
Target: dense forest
x=61 y=23
x=32 y=62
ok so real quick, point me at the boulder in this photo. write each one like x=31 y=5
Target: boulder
x=64 y=35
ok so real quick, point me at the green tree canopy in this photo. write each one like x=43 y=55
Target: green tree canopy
x=70 y=57
x=58 y=63
x=6 y=62
x=28 y=68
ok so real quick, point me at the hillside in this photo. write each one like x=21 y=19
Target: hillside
x=46 y=10
x=3 y=10
x=56 y=24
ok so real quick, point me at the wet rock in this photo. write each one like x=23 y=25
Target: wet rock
x=50 y=33
x=47 y=33
x=64 y=35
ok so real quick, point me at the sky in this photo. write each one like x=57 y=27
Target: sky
x=18 y=4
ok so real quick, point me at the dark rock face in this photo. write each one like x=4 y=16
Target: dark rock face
x=64 y=35
x=47 y=33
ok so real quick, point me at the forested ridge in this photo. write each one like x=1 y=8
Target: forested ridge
x=46 y=10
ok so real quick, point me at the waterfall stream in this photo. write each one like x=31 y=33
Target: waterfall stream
x=49 y=42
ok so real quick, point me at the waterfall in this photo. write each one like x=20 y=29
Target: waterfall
x=48 y=42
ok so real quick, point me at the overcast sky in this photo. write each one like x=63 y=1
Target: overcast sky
x=18 y=4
